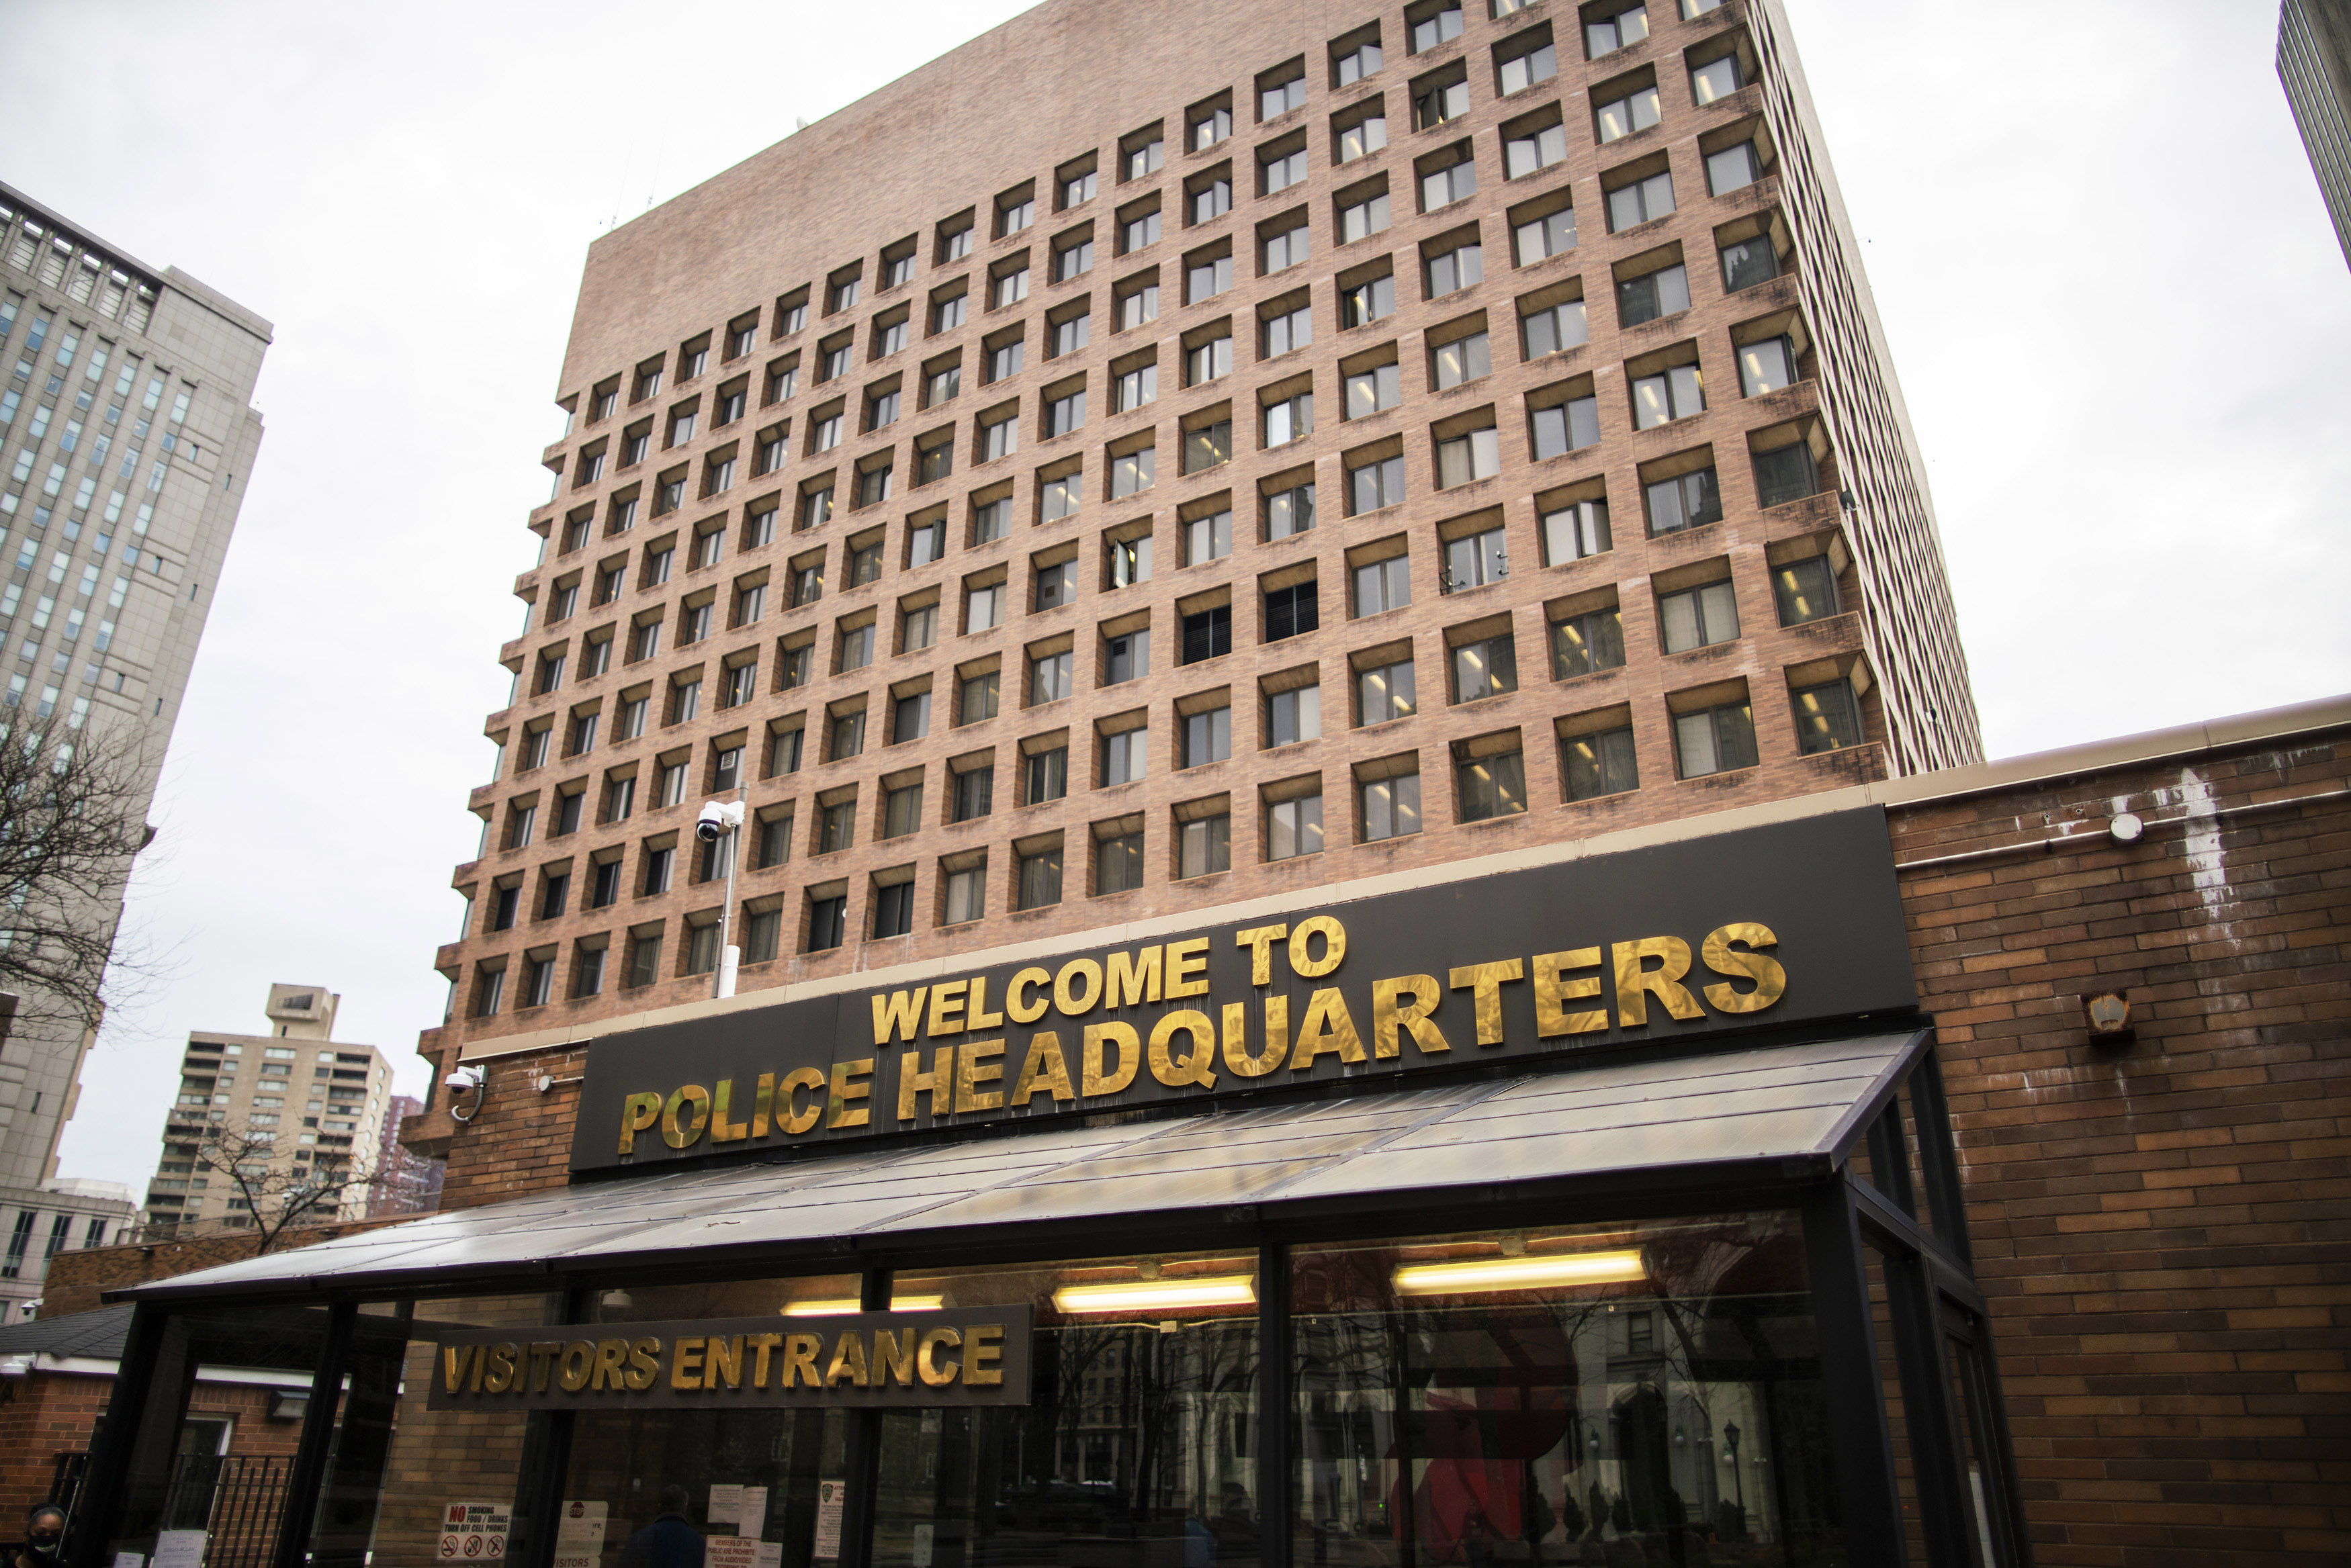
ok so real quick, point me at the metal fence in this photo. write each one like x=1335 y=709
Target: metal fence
x=235 y=1500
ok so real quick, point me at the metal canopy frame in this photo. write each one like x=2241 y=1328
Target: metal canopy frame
x=1853 y=1221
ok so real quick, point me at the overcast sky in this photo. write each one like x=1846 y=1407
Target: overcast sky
x=2118 y=313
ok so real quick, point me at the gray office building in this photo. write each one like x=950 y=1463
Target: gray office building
x=2314 y=61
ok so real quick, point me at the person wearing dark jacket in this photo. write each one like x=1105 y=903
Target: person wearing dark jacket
x=45 y=1527
x=669 y=1541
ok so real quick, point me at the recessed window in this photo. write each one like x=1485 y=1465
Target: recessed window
x=1293 y=716
x=1074 y=260
x=910 y=718
x=1047 y=775
x=1695 y=617
x=1464 y=359
x=1057 y=585
x=1290 y=419
x=1456 y=182
x=1785 y=473
x=1207 y=446
x=1620 y=117
x=1065 y=415
x=1454 y=269
x=1390 y=807
x=1286 y=249
x=1806 y=590
x=1610 y=33
x=1474 y=560
x=1441 y=102
x=1548 y=235
x=1375 y=484
x=1361 y=136
x=974 y=794
x=1675 y=393
x=1828 y=718
x=1281 y=170
x=990 y=521
x=1369 y=391
x=1360 y=220
x=1717 y=79
x=1640 y=201
x=1581 y=644
x=1533 y=150
x=1645 y=298
x=1049 y=675
x=1767 y=366
x=1040 y=878
x=1208 y=537
x=1364 y=303
x=1685 y=501
x=1565 y=427
x=1382 y=586
x=966 y=895
x=1204 y=844
x=1438 y=27
x=1289 y=510
x=1146 y=159
x=1486 y=667
x=1078 y=188
x=902 y=811
x=1138 y=305
x=1126 y=658
x=977 y=699
x=1011 y=217
x=1357 y=63
x=1523 y=70
x=1715 y=740
x=1291 y=611
x=1206 y=279
x=1058 y=498
x=1294 y=827
x=1207 y=634
x=1282 y=97
x=1468 y=457
x=1574 y=531
x=1124 y=756
x=1555 y=329
x=1012 y=288
x=1118 y=863
x=1213 y=199
x=984 y=607
x=1746 y=262
x=1384 y=691
x=1131 y=473
x=1130 y=561
x=1135 y=388
x=1491 y=786
x=1209 y=126
x=1598 y=764
x=827 y=923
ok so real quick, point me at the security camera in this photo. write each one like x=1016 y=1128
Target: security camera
x=464 y=1080
x=718 y=818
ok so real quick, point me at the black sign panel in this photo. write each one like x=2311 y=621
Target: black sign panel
x=965 y=1356
x=1787 y=923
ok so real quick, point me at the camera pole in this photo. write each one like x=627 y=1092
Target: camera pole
x=729 y=955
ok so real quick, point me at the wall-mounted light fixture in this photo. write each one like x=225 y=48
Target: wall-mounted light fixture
x=1532 y=1272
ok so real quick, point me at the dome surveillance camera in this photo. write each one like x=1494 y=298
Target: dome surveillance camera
x=718 y=819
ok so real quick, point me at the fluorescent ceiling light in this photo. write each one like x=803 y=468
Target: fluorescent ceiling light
x=1159 y=1295
x=846 y=1305
x=1476 y=1274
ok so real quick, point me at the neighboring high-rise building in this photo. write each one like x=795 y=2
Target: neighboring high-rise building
x=2314 y=61
x=37 y=1224
x=321 y=1103
x=127 y=437
x=1116 y=470
x=410 y=1184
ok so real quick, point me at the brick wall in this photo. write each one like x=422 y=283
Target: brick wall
x=46 y=1415
x=2161 y=1228
x=76 y=1281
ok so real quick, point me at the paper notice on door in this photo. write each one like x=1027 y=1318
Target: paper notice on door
x=829 y=1496
x=923 y=1546
x=740 y=1552
x=129 y=1560
x=180 y=1549
x=751 y=1518
x=580 y=1533
x=725 y=1504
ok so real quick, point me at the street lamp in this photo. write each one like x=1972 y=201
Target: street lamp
x=1737 y=1478
x=723 y=820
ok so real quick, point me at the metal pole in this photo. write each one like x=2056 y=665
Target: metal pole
x=723 y=982
x=300 y=1514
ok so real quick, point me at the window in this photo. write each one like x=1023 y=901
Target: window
x=889 y=337
x=1785 y=473
x=1537 y=149
x=1204 y=844
x=1126 y=658
x=837 y=828
x=763 y=936
x=1468 y=458
x=990 y=519
x=848 y=735
x=1390 y=808
x=1118 y=863
x=835 y=362
x=1369 y=391
x=1675 y=393
x=1206 y=446
x=645 y=959
x=934 y=460
x=1539 y=64
x=1208 y=539
x=1208 y=360
x=1281 y=98
x=1640 y=201
x=1124 y=756
x=1130 y=561
x=1207 y=634
x=1290 y=419
x=1078 y=188
x=1011 y=217
x=1550 y=235
x=902 y=811
x=775 y=842
x=1065 y=413
x=1434 y=106
x=1599 y=764
x=1138 y=305
x=1442 y=187
x=1294 y=827
x=1367 y=301
x=1732 y=169
x=1364 y=219
x=816 y=506
x=1072 y=261
x=856 y=648
x=1437 y=28
x=1698 y=616
x=1048 y=776
x=1208 y=737
x=783 y=383
x=1056 y=585
x=1289 y=511
x=1374 y=484
x=1206 y=278
x=1135 y=388
x=828 y=922
x=1474 y=560
x=1213 y=199
x=1806 y=590
x=1622 y=116
x=825 y=433
x=1040 y=878
x=1004 y=360
x=1365 y=135
x=974 y=794
x=1384 y=691
x=1000 y=438
x=1286 y=250
x=1491 y=786
x=1282 y=170
x=882 y=410
x=793 y=667
x=1141 y=230
x=1685 y=501
x=1058 y=498
x=1746 y=262
x=1146 y=159
x=948 y=313
x=1566 y=427
x=977 y=699
x=1610 y=33
x=1575 y=531
x=966 y=895
x=1049 y=678
x=1291 y=611
x=1769 y=366
x=1294 y=715
x=842 y=296
x=1581 y=644
x=910 y=718
x=1652 y=294
x=956 y=243
x=1463 y=359
x=983 y=608
x=1487 y=667
x=658 y=866
x=1827 y=718
x=1384 y=586
x=1715 y=740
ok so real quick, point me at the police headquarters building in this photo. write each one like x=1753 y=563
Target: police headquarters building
x=1441 y=986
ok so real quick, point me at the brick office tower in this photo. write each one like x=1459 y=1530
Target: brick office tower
x=1285 y=447
x=127 y=437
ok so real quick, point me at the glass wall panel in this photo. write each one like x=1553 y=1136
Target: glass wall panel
x=1564 y=1395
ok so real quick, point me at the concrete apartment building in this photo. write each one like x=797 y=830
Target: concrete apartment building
x=2314 y=61
x=1291 y=446
x=322 y=1102
x=127 y=437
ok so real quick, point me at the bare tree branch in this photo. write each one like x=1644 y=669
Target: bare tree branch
x=280 y=1192
x=73 y=806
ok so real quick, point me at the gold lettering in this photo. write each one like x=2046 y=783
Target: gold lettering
x=947 y=1007
x=481 y=1364
x=1486 y=980
x=1552 y=990
x=721 y=1129
x=938 y=1083
x=1130 y=1058
x=799 y=1362
x=1404 y=1003
x=1072 y=1002
x=1028 y=1011
x=933 y=1372
x=848 y=1360
x=1277 y=1037
x=1043 y=1068
x=1334 y=946
x=685 y=1363
x=644 y=1364
x=976 y=1063
x=1187 y=969
x=977 y=1016
x=638 y=1114
x=1134 y=980
x=501 y=1375
x=678 y=1135
x=456 y=1362
x=1259 y=940
x=1635 y=983
x=789 y=1115
x=845 y=1088
x=761 y=1345
x=983 y=1345
x=894 y=1357
x=579 y=1361
x=899 y=1013
x=611 y=1366
x=543 y=1355
x=1196 y=1068
x=724 y=1361
x=1771 y=980
x=764 y=1106
x=1328 y=1029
